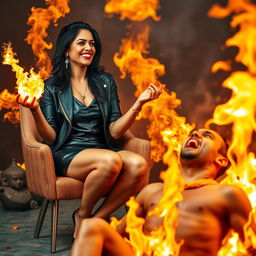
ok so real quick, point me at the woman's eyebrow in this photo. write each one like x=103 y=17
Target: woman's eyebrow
x=84 y=40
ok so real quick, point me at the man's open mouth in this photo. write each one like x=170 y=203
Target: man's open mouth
x=192 y=143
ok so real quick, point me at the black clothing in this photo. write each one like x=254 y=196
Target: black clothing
x=87 y=132
x=75 y=130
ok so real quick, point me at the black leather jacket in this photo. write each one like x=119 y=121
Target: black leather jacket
x=57 y=107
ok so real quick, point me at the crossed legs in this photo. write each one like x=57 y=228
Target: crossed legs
x=105 y=172
x=96 y=238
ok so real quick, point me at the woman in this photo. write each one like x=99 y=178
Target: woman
x=78 y=113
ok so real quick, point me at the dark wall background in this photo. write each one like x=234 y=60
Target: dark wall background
x=186 y=41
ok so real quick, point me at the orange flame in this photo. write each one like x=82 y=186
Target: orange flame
x=240 y=111
x=221 y=65
x=22 y=166
x=7 y=101
x=28 y=84
x=161 y=241
x=40 y=20
x=245 y=38
x=166 y=130
x=135 y=10
x=161 y=112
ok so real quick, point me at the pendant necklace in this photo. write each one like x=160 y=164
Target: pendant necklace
x=82 y=96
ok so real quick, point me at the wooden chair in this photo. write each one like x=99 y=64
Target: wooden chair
x=40 y=170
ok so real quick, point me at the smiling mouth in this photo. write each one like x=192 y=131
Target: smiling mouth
x=86 y=55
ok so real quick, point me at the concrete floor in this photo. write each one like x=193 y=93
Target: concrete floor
x=21 y=242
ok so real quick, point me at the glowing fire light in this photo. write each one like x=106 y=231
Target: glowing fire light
x=166 y=130
x=130 y=59
x=7 y=101
x=221 y=65
x=135 y=10
x=22 y=166
x=240 y=111
x=39 y=21
x=161 y=241
x=28 y=84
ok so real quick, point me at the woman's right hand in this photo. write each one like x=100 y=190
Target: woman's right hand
x=33 y=105
x=45 y=130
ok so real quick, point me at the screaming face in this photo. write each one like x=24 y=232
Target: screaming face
x=200 y=143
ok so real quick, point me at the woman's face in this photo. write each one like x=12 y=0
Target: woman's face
x=82 y=49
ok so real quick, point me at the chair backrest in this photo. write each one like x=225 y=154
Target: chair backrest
x=40 y=171
x=39 y=164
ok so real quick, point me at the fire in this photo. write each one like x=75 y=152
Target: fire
x=32 y=84
x=7 y=101
x=21 y=166
x=245 y=18
x=135 y=10
x=161 y=241
x=39 y=21
x=221 y=65
x=166 y=130
x=240 y=111
x=27 y=84
x=160 y=113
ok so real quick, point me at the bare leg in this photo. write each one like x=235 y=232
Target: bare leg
x=133 y=178
x=96 y=237
x=99 y=169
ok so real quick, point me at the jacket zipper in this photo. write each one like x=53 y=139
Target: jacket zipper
x=64 y=112
x=70 y=125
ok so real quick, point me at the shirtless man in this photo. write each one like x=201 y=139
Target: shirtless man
x=206 y=213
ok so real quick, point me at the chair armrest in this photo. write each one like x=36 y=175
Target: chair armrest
x=40 y=170
x=131 y=143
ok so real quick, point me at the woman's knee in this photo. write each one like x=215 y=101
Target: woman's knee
x=138 y=168
x=110 y=164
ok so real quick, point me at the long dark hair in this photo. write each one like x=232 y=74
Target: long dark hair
x=61 y=74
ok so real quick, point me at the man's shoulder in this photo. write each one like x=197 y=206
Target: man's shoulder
x=233 y=193
x=230 y=188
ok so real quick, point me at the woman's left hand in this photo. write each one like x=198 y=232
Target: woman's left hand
x=151 y=93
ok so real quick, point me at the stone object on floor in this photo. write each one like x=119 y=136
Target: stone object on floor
x=14 y=193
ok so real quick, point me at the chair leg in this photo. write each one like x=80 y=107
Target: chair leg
x=40 y=219
x=55 y=211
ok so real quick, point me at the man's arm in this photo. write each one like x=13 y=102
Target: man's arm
x=239 y=208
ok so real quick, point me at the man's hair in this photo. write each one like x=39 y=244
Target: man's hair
x=223 y=151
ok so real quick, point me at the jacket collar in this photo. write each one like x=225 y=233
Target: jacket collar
x=66 y=100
